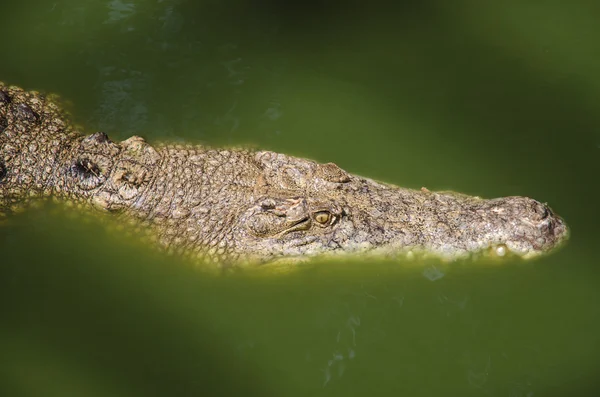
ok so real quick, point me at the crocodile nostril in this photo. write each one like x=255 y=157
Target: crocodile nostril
x=540 y=211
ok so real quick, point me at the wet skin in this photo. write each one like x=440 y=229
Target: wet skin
x=238 y=205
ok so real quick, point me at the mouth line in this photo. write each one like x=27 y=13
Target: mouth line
x=301 y=224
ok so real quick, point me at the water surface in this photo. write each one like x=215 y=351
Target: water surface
x=483 y=99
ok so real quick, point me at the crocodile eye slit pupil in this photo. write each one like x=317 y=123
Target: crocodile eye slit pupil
x=322 y=217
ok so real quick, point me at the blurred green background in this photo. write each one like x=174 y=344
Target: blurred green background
x=486 y=98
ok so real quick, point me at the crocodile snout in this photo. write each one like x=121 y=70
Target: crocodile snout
x=547 y=229
x=552 y=228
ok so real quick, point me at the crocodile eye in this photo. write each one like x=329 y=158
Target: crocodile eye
x=322 y=217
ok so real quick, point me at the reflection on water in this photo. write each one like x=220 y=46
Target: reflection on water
x=433 y=273
x=118 y=105
x=424 y=95
x=119 y=10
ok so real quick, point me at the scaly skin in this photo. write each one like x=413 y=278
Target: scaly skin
x=236 y=205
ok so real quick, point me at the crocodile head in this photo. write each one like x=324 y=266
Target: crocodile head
x=303 y=208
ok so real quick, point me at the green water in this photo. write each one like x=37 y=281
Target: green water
x=484 y=98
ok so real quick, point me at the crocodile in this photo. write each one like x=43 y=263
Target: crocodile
x=240 y=205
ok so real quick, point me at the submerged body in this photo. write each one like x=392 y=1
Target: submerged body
x=237 y=205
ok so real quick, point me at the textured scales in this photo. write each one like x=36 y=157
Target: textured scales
x=239 y=205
